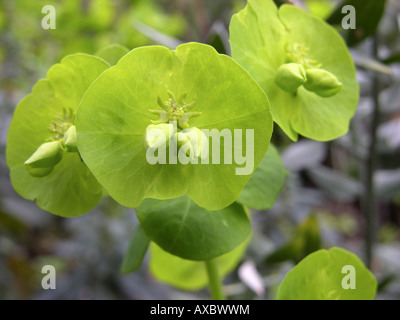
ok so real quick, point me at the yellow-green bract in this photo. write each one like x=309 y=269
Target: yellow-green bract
x=120 y=105
x=68 y=189
x=334 y=274
x=264 y=38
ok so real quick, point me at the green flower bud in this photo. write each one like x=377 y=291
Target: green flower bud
x=322 y=82
x=42 y=161
x=69 y=140
x=181 y=139
x=157 y=135
x=198 y=142
x=290 y=77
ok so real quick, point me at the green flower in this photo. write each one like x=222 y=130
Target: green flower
x=41 y=132
x=192 y=86
x=268 y=42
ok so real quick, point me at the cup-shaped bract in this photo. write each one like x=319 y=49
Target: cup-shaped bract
x=334 y=274
x=43 y=117
x=192 y=86
x=264 y=38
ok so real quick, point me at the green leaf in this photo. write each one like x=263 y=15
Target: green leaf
x=319 y=277
x=136 y=251
x=112 y=121
x=187 y=274
x=70 y=189
x=112 y=53
x=184 y=229
x=261 y=37
x=267 y=181
x=305 y=240
x=368 y=16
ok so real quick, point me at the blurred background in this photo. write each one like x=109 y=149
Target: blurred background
x=343 y=193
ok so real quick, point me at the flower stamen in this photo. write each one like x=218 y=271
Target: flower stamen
x=175 y=110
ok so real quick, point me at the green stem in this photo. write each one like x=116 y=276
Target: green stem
x=369 y=194
x=214 y=280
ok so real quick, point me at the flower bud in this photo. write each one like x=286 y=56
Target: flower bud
x=181 y=139
x=158 y=135
x=290 y=77
x=322 y=82
x=42 y=161
x=198 y=141
x=69 y=140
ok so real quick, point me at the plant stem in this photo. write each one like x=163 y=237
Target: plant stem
x=369 y=207
x=214 y=280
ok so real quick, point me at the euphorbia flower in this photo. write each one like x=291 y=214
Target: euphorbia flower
x=275 y=46
x=190 y=87
x=41 y=144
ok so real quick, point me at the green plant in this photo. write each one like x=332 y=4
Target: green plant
x=321 y=276
x=111 y=143
x=325 y=94
x=90 y=126
x=44 y=116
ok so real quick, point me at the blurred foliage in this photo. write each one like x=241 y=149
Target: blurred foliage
x=320 y=8
x=81 y=26
x=324 y=178
x=305 y=240
x=368 y=16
